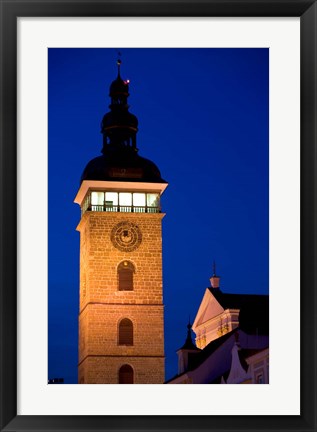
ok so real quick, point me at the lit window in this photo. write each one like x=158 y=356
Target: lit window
x=125 y=199
x=126 y=374
x=125 y=276
x=152 y=199
x=112 y=198
x=125 y=332
x=97 y=198
x=139 y=199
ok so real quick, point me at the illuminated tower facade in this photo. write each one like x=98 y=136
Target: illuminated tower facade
x=121 y=322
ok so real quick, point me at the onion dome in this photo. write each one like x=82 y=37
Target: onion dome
x=124 y=167
x=118 y=120
x=120 y=160
x=119 y=86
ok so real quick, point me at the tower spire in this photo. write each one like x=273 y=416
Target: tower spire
x=186 y=351
x=119 y=126
x=189 y=342
x=119 y=63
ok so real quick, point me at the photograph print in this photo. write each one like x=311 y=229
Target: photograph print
x=158 y=204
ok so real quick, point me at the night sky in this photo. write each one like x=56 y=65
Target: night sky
x=204 y=121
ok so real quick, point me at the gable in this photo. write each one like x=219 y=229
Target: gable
x=209 y=308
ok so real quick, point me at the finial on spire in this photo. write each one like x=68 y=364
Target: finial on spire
x=119 y=62
x=214 y=268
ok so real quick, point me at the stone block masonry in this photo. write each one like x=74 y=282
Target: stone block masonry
x=98 y=369
x=103 y=306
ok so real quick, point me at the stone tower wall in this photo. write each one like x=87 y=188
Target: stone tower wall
x=102 y=306
x=98 y=370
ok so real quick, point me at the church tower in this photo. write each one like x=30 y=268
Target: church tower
x=121 y=323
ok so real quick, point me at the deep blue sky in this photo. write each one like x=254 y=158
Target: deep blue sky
x=203 y=119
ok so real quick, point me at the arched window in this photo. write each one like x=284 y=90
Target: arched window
x=125 y=276
x=125 y=332
x=126 y=374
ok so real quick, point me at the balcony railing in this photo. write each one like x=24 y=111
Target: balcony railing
x=121 y=209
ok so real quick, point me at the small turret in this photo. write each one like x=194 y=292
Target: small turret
x=188 y=349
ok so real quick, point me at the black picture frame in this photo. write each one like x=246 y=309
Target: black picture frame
x=10 y=11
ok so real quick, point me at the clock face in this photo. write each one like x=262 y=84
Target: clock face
x=126 y=236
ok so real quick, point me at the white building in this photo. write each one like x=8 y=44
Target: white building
x=232 y=340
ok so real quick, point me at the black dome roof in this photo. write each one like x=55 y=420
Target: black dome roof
x=119 y=119
x=120 y=160
x=122 y=166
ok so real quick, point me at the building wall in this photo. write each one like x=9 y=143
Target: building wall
x=219 y=361
x=102 y=306
x=99 y=323
x=259 y=367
